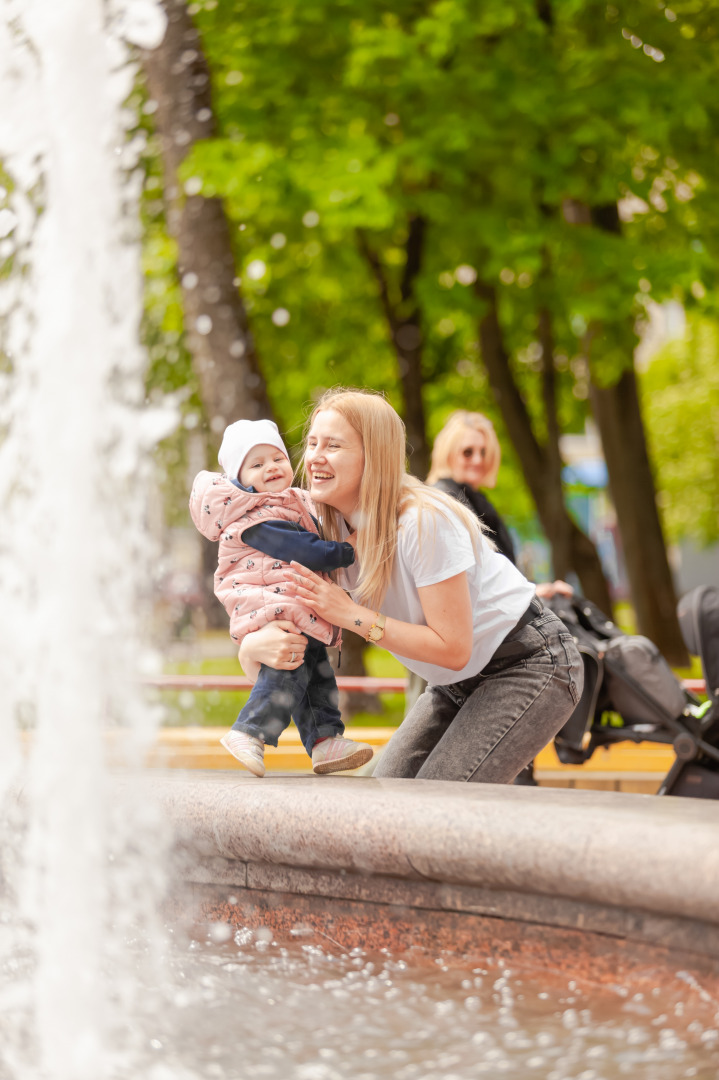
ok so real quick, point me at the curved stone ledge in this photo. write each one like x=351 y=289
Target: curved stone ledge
x=596 y=852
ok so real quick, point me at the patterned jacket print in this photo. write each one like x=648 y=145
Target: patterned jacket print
x=249 y=583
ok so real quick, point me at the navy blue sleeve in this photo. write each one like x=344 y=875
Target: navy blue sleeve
x=286 y=540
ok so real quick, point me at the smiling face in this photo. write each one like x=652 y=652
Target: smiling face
x=468 y=461
x=266 y=469
x=334 y=460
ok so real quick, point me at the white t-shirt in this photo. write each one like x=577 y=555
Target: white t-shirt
x=499 y=593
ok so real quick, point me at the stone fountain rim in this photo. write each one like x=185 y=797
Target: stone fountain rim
x=623 y=851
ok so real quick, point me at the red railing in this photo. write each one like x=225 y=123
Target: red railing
x=360 y=683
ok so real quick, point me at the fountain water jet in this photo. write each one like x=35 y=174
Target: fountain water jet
x=71 y=487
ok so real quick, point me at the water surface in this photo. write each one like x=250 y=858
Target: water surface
x=251 y=1007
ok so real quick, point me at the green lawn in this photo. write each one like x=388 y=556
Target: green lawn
x=215 y=708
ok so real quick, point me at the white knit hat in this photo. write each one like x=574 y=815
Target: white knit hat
x=240 y=437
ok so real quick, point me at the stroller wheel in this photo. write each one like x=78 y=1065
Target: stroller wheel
x=685 y=748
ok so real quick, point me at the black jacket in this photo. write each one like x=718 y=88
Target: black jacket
x=484 y=510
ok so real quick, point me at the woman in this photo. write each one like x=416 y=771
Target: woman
x=466 y=457
x=504 y=674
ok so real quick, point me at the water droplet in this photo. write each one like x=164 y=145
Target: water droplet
x=8 y=221
x=220 y=932
x=143 y=24
x=465 y=275
x=256 y=270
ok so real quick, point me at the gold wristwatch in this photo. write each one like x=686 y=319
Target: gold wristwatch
x=376 y=630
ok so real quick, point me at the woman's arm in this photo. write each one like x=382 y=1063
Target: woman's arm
x=446 y=640
x=274 y=645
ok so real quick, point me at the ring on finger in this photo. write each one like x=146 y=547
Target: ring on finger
x=292 y=658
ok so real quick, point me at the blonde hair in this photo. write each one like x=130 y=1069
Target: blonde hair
x=449 y=438
x=386 y=490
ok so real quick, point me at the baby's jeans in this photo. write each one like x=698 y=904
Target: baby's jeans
x=307 y=695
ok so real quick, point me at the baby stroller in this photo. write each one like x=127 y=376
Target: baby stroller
x=631 y=693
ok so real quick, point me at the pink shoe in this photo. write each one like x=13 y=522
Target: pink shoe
x=248 y=750
x=338 y=754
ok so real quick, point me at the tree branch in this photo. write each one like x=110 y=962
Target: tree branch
x=375 y=265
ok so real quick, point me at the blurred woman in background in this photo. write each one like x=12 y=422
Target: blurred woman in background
x=465 y=457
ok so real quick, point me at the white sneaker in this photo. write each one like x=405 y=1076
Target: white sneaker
x=248 y=750
x=338 y=754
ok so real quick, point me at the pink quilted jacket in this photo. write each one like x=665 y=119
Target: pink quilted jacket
x=249 y=583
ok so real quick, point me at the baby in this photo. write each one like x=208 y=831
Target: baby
x=262 y=523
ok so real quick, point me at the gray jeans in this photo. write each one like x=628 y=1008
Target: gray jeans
x=485 y=729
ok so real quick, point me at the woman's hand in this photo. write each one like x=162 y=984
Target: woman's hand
x=323 y=597
x=445 y=639
x=278 y=645
x=547 y=589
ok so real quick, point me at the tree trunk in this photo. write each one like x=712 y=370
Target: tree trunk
x=617 y=411
x=554 y=496
x=405 y=325
x=220 y=341
x=407 y=335
x=542 y=472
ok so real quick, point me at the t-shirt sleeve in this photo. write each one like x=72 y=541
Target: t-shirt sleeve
x=441 y=549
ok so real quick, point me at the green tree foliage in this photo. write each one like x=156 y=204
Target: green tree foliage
x=681 y=401
x=506 y=125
